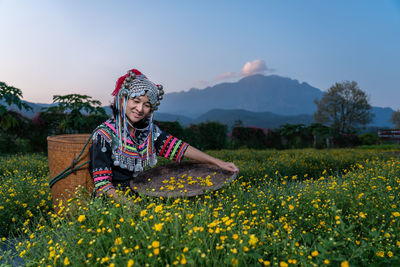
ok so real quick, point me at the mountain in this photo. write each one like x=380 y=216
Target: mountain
x=381 y=117
x=257 y=93
x=258 y=100
x=36 y=107
x=257 y=119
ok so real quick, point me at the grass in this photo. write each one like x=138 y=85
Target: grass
x=287 y=208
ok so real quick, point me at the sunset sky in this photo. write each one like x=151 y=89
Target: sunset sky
x=61 y=47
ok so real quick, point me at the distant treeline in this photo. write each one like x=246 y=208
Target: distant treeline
x=214 y=135
x=31 y=135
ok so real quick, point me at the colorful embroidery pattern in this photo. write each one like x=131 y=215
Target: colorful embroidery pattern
x=173 y=149
x=102 y=180
x=109 y=160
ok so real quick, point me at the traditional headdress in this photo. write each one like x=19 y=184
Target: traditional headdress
x=131 y=85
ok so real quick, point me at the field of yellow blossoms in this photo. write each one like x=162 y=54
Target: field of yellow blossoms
x=286 y=208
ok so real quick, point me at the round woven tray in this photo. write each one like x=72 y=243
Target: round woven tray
x=185 y=179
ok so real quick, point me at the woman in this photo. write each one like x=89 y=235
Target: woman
x=124 y=145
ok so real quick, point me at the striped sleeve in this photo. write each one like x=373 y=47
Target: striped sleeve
x=170 y=147
x=100 y=165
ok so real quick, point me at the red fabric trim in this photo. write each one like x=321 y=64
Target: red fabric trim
x=101 y=172
x=165 y=145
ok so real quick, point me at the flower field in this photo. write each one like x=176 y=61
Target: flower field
x=286 y=208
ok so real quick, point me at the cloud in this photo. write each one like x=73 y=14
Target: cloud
x=226 y=75
x=202 y=83
x=255 y=67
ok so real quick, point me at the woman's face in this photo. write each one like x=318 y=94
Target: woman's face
x=137 y=108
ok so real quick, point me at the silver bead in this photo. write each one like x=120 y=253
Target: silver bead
x=132 y=74
x=160 y=87
x=158 y=103
x=103 y=149
x=161 y=92
x=160 y=97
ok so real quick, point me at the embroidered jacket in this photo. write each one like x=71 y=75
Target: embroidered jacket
x=113 y=163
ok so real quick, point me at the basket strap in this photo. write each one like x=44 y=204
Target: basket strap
x=71 y=168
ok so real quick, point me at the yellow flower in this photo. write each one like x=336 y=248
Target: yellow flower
x=314 y=253
x=396 y=214
x=118 y=241
x=362 y=215
x=22 y=253
x=156 y=251
x=185 y=249
x=326 y=262
x=291 y=207
x=235 y=236
x=235 y=262
x=158 y=227
x=66 y=261
x=390 y=254
x=183 y=261
x=253 y=240
x=105 y=259
x=158 y=208
x=344 y=264
x=283 y=264
x=81 y=218
x=143 y=213
x=130 y=263
x=380 y=254
x=267 y=263
x=155 y=244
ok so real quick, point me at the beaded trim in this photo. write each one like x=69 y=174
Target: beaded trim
x=134 y=158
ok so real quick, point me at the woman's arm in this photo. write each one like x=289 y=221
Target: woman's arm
x=195 y=154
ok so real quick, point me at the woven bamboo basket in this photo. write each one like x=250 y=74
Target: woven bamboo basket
x=62 y=150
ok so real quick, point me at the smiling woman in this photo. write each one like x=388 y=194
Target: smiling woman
x=137 y=108
x=129 y=142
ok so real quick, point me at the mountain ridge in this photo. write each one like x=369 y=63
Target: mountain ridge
x=257 y=100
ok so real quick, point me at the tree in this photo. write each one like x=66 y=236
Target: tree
x=395 y=119
x=344 y=107
x=211 y=135
x=293 y=135
x=11 y=96
x=67 y=116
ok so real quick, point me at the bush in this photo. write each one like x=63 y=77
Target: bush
x=369 y=139
x=212 y=135
x=172 y=127
x=250 y=137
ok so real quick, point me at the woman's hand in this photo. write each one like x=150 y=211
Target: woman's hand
x=229 y=166
x=194 y=153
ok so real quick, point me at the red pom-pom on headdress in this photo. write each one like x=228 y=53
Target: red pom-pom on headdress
x=121 y=80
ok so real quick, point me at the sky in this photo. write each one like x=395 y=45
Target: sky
x=52 y=47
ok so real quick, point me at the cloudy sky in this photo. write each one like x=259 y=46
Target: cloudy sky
x=61 y=47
